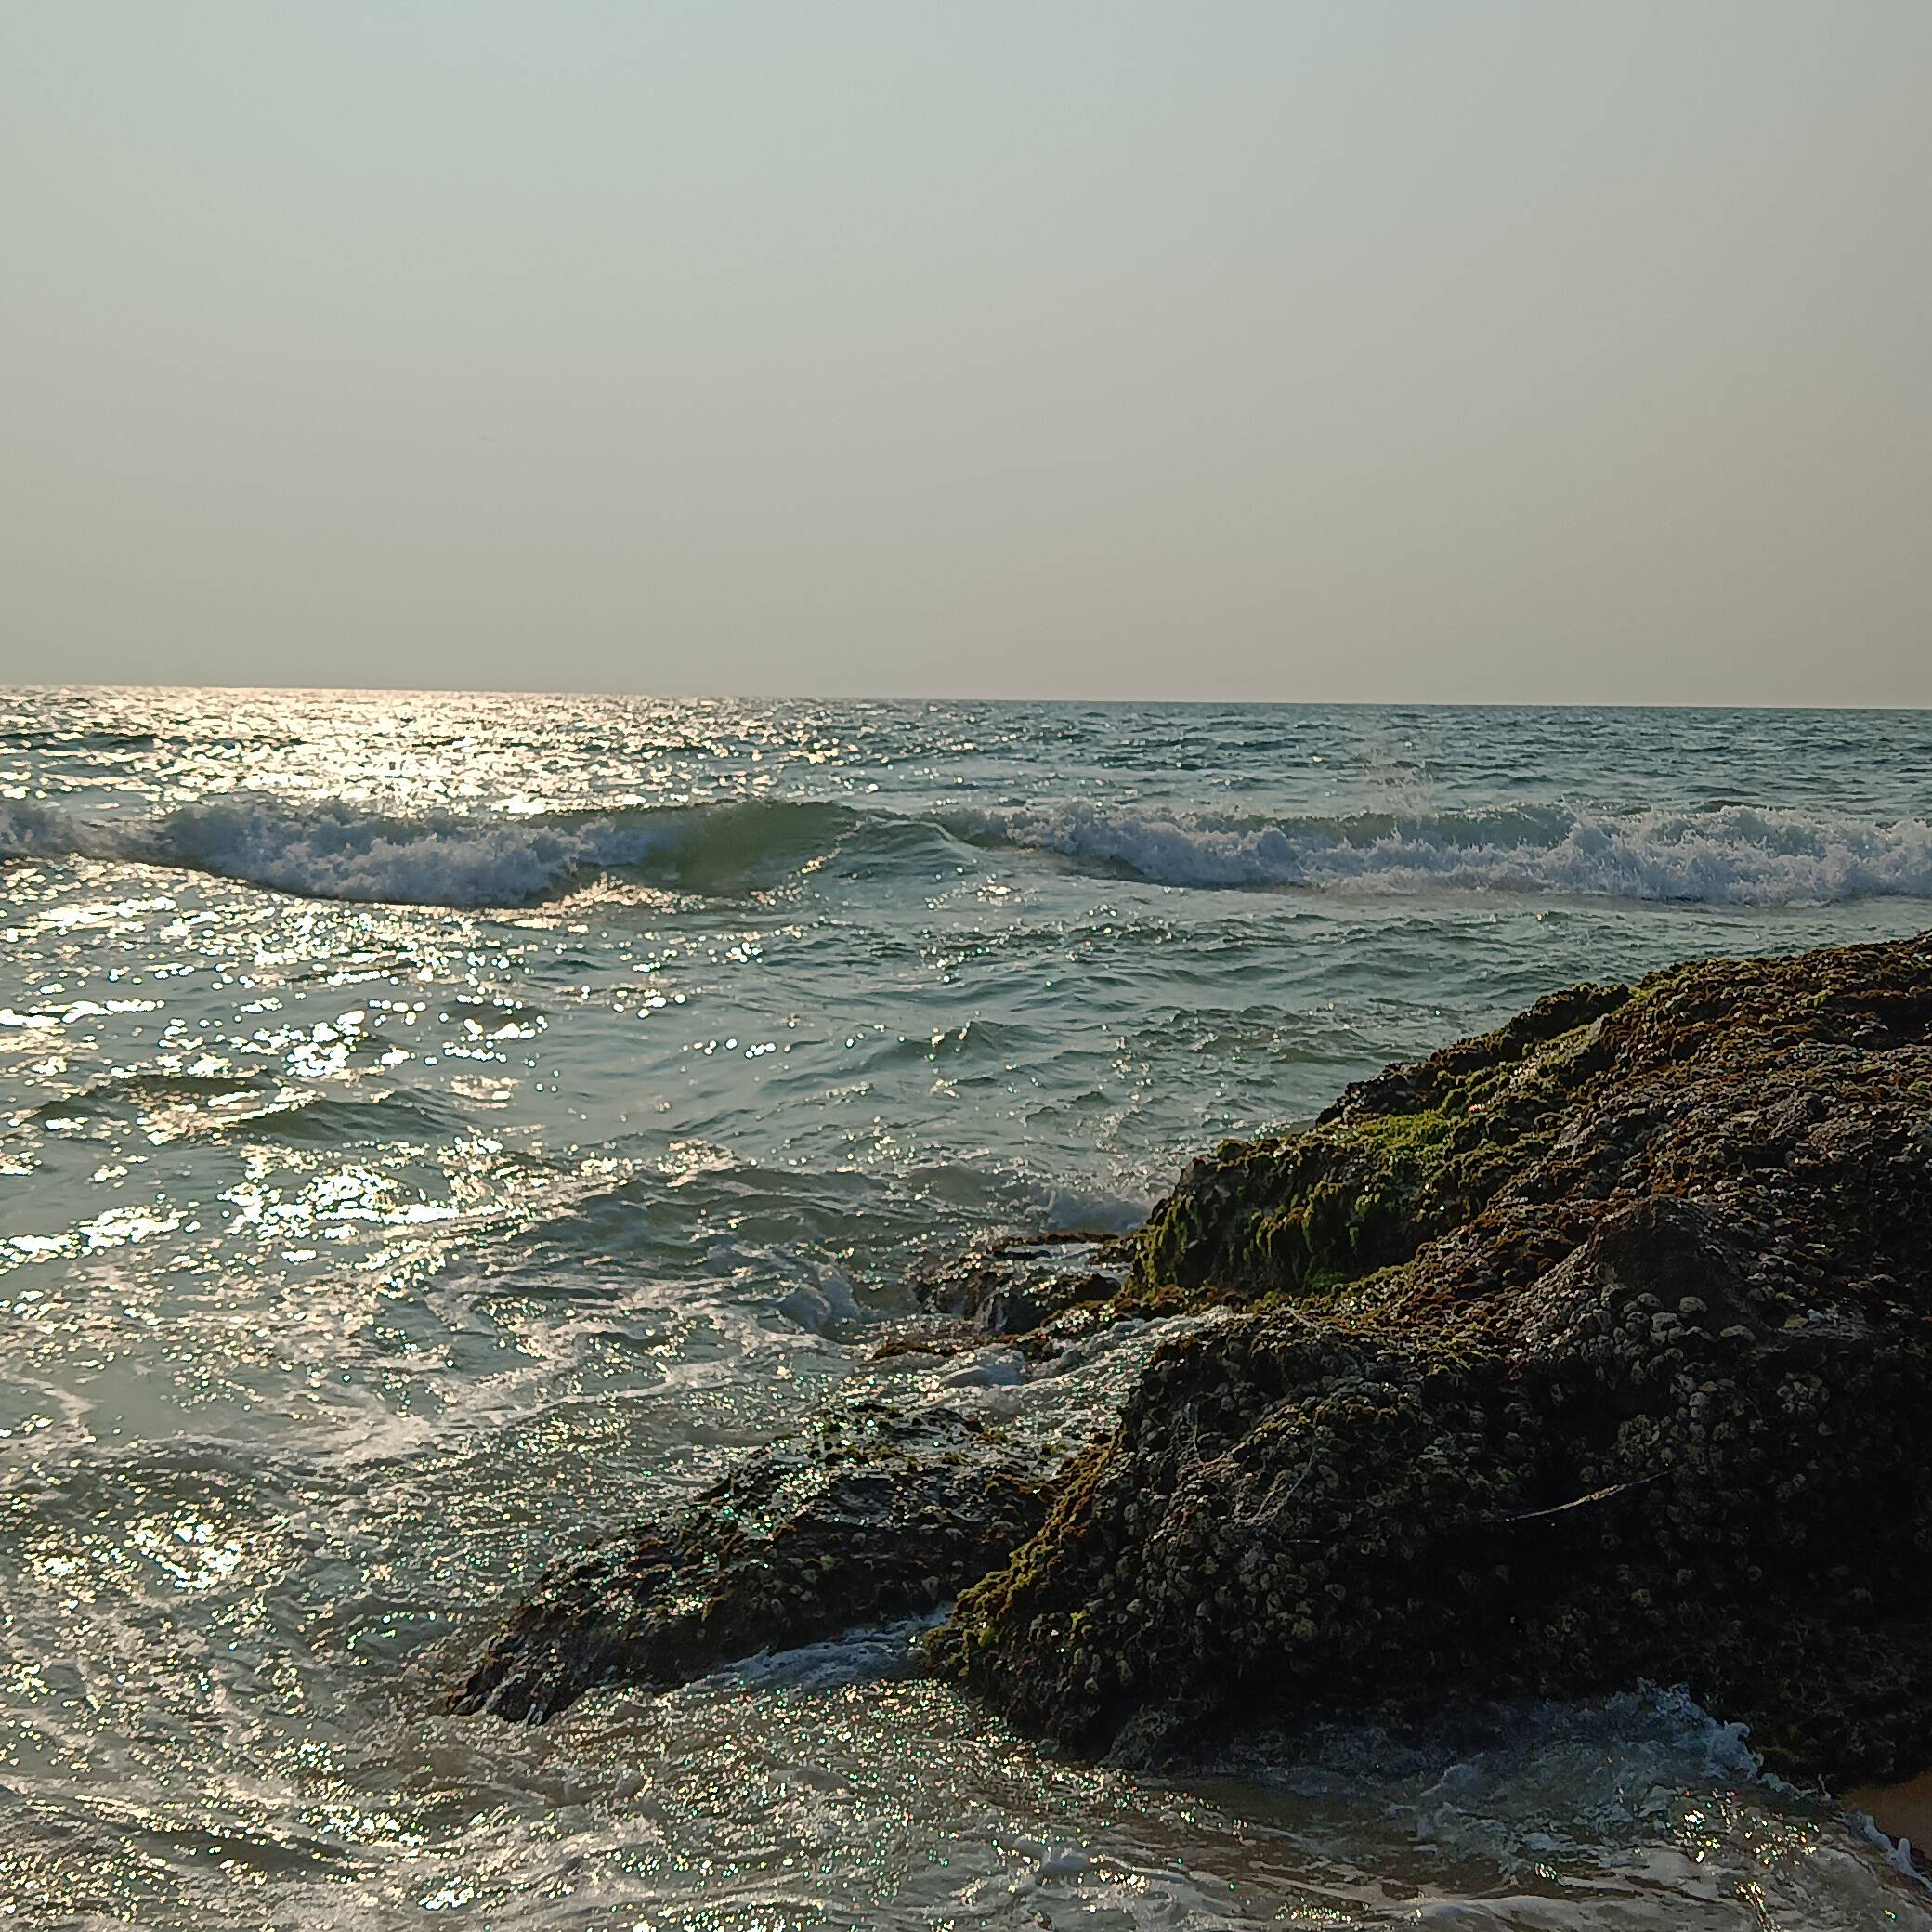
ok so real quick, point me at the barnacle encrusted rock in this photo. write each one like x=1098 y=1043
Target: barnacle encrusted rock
x=919 y=1476
x=1592 y=1351
x=1595 y=1349
x=878 y=1513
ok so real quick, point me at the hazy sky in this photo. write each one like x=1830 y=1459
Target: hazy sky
x=1473 y=351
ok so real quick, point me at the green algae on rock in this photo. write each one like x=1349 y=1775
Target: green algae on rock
x=1396 y=1161
x=1591 y=1351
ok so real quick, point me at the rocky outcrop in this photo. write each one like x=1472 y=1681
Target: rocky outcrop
x=920 y=1475
x=880 y=1513
x=1592 y=1351
x=1589 y=1351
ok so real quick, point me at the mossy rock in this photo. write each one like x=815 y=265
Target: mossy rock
x=1593 y=1351
x=1396 y=1162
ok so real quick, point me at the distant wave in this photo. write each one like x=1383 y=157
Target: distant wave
x=1727 y=854
x=1731 y=854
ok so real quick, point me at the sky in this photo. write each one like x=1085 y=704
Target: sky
x=1563 y=351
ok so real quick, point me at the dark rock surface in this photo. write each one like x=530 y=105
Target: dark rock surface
x=882 y=1512
x=1589 y=1351
x=1015 y=1287
x=919 y=1476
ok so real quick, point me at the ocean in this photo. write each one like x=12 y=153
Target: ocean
x=439 y=1128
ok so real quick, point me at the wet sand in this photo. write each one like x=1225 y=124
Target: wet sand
x=1898 y=1810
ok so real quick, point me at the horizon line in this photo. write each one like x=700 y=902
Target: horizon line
x=1517 y=704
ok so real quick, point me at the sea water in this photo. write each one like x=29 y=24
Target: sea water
x=439 y=1129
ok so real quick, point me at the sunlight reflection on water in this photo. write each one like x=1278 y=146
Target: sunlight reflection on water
x=357 y=1256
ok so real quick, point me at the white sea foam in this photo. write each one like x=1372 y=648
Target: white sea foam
x=1733 y=855
x=865 y=1654
x=332 y=849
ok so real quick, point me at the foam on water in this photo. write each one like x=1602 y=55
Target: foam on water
x=360 y=1252
x=335 y=849
x=1731 y=855
x=332 y=849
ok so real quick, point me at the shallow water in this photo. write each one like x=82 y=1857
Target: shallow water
x=438 y=1128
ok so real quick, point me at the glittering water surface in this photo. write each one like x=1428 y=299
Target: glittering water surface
x=438 y=1128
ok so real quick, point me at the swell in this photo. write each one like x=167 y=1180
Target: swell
x=173 y=1106
x=1724 y=854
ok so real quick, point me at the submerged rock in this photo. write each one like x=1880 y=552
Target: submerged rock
x=1016 y=1287
x=922 y=1474
x=1589 y=1351
x=880 y=1512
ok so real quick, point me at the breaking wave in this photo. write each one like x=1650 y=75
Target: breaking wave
x=331 y=849
x=1733 y=854
x=1730 y=854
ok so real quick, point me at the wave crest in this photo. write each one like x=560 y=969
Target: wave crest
x=331 y=849
x=1731 y=854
